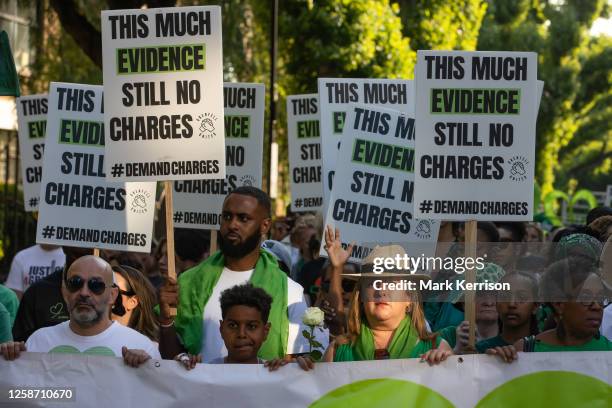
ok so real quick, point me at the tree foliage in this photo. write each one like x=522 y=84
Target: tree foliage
x=379 y=39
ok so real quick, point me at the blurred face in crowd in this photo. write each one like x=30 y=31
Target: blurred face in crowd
x=505 y=253
x=88 y=291
x=532 y=234
x=243 y=331
x=243 y=222
x=162 y=262
x=485 y=307
x=279 y=231
x=583 y=316
x=516 y=308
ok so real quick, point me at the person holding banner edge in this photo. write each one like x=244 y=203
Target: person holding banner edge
x=89 y=291
x=245 y=219
x=381 y=324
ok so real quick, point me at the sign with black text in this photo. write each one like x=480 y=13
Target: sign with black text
x=335 y=97
x=32 y=119
x=374 y=201
x=198 y=203
x=304 y=152
x=476 y=135
x=78 y=207
x=163 y=87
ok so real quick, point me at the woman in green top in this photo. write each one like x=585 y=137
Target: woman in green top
x=578 y=295
x=381 y=324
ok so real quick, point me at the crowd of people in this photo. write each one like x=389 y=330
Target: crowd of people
x=244 y=304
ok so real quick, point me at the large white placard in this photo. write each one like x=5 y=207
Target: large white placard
x=304 y=152
x=163 y=80
x=32 y=119
x=335 y=97
x=476 y=124
x=198 y=203
x=373 y=203
x=78 y=207
x=563 y=379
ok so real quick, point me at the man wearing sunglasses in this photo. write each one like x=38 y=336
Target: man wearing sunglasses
x=89 y=293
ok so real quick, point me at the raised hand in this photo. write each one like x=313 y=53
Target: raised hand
x=333 y=246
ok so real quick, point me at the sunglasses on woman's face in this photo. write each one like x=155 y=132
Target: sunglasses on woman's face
x=95 y=285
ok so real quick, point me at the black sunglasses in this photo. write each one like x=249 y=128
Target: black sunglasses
x=95 y=285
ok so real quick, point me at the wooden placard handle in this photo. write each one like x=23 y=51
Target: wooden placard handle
x=470 y=278
x=170 y=234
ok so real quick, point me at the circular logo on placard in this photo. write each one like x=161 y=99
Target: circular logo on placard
x=518 y=168
x=423 y=229
x=247 y=180
x=139 y=200
x=207 y=125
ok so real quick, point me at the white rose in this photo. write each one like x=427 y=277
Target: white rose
x=313 y=316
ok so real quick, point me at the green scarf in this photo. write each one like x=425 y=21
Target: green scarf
x=403 y=344
x=196 y=286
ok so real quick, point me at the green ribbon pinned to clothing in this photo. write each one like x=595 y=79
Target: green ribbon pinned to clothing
x=196 y=286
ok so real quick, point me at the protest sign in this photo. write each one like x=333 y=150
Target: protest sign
x=567 y=379
x=78 y=207
x=304 y=152
x=374 y=201
x=335 y=97
x=32 y=119
x=163 y=79
x=198 y=203
x=475 y=152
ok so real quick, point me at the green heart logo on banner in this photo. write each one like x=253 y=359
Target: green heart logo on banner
x=94 y=351
x=382 y=392
x=559 y=389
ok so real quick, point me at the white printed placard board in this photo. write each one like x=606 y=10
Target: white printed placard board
x=32 y=120
x=335 y=97
x=198 y=203
x=78 y=207
x=476 y=128
x=372 y=202
x=163 y=89
x=304 y=139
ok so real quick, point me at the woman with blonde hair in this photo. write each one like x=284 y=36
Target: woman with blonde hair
x=381 y=323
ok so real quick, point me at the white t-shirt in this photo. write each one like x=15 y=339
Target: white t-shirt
x=606 y=323
x=212 y=343
x=33 y=264
x=61 y=339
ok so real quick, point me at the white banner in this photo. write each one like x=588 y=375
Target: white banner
x=573 y=379
x=335 y=97
x=32 y=118
x=198 y=203
x=304 y=152
x=163 y=80
x=476 y=135
x=78 y=206
x=374 y=202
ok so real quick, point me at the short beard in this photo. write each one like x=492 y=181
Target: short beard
x=86 y=319
x=241 y=249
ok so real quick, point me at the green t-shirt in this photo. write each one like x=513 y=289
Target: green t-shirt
x=600 y=343
x=442 y=314
x=449 y=334
x=5 y=325
x=497 y=341
x=10 y=301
